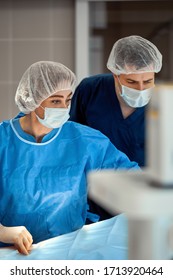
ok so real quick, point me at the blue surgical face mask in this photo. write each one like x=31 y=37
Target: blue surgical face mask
x=54 y=117
x=135 y=98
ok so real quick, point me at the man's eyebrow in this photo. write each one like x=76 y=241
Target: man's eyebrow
x=61 y=96
x=149 y=80
x=131 y=80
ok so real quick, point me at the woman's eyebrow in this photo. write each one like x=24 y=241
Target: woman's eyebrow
x=61 y=96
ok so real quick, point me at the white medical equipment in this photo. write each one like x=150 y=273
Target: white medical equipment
x=145 y=197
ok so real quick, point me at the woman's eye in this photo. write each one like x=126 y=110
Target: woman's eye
x=56 y=102
x=68 y=100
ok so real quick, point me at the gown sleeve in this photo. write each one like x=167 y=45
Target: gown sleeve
x=114 y=158
x=106 y=157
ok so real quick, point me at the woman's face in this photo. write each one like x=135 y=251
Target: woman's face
x=61 y=99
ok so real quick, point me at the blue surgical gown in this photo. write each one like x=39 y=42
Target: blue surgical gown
x=43 y=186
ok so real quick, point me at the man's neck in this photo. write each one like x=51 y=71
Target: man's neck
x=125 y=109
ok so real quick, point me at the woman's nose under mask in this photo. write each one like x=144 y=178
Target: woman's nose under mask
x=54 y=117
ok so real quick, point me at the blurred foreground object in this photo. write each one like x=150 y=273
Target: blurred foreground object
x=145 y=197
x=160 y=136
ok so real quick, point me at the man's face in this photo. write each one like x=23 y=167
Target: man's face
x=137 y=81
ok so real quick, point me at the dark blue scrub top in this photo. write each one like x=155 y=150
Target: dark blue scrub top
x=95 y=104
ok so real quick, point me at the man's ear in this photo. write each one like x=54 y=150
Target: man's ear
x=115 y=77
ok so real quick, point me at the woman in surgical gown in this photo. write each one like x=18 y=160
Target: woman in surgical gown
x=45 y=160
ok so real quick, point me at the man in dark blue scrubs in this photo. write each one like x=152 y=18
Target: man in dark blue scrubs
x=115 y=103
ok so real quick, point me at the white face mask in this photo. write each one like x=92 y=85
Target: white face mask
x=136 y=98
x=54 y=117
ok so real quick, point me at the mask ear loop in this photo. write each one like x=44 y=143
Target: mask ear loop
x=42 y=107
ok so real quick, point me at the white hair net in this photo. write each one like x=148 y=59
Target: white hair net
x=41 y=80
x=133 y=55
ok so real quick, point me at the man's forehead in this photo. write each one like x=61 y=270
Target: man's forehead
x=138 y=77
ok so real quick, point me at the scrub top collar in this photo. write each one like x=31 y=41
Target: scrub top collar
x=25 y=137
